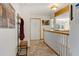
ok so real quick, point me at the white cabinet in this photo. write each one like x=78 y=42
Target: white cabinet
x=57 y=42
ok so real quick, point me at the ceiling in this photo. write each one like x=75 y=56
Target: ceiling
x=38 y=8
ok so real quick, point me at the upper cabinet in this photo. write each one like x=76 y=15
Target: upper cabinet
x=61 y=11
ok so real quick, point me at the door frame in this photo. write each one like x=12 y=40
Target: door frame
x=30 y=26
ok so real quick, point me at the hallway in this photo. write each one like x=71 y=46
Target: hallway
x=22 y=25
x=39 y=48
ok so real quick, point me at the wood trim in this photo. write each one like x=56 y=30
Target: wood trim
x=1 y=9
x=63 y=10
x=40 y=27
x=58 y=32
x=35 y=18
x=30 y=29
x=43 y=34
x=30 y=26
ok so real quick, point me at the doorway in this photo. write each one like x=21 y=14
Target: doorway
x=35 y=28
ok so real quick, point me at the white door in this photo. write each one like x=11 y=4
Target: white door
x=35 y=28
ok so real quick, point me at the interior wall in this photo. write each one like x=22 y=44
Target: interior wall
x=8 y=42
x=74 y=32
x=8 y=39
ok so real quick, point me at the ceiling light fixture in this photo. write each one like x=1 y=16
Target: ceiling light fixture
x=53 y=6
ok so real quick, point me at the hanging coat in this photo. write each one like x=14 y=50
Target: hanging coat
x=22 y=29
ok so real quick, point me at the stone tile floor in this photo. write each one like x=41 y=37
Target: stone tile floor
x=22 y=49
x=39 y=48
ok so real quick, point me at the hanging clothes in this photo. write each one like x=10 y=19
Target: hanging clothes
x=21 y=29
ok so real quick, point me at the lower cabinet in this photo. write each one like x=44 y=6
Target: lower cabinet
x=58 y=42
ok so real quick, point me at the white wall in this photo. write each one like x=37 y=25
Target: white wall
x=74 y=33
x=8 y=40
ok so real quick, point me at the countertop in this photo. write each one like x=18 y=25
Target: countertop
x=64 y=32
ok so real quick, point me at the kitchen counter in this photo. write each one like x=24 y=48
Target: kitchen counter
x=64 y=32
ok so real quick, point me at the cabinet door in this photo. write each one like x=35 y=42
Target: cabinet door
x=58 y=42
x=49 y=39
x=58 y=45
